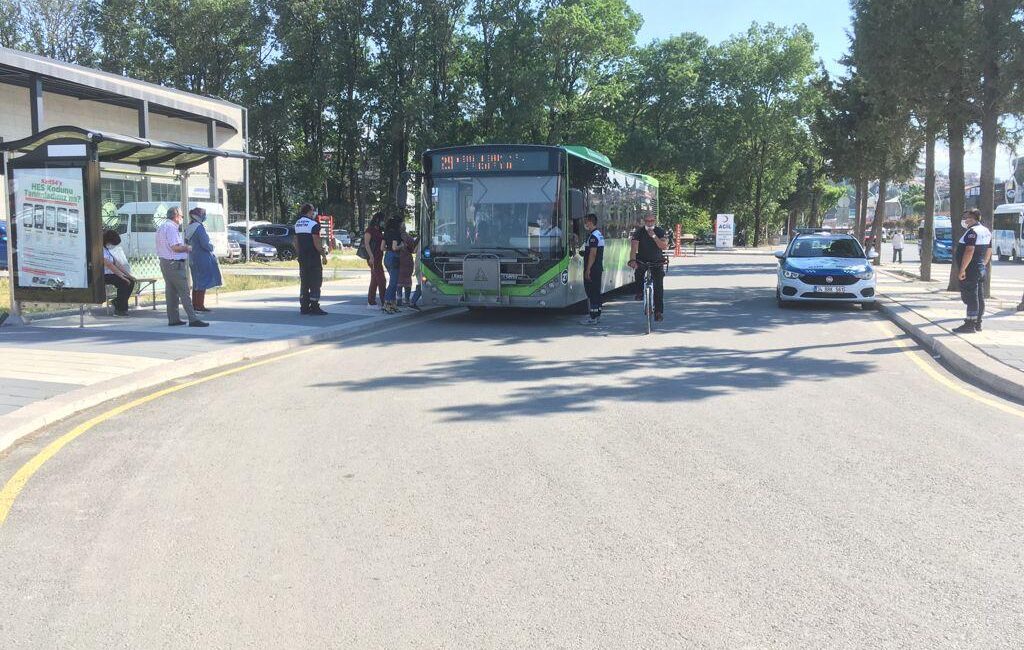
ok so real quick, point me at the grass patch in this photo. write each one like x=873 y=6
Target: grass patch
x=335 y=261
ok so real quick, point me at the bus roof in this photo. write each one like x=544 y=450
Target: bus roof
x=1009 y=208
x=597 y=157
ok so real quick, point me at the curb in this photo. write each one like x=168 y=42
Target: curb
x=33 y=417
x=965 y=360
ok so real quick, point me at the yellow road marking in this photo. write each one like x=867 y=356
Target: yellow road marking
x=945 y=381
x=17 y=482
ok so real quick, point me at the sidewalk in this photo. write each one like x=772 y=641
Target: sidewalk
x=52 y=368
x=993 y=358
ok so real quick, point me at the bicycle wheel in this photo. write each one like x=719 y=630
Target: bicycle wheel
x=649 y=303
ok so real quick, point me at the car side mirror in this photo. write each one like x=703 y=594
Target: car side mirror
x=780 y=255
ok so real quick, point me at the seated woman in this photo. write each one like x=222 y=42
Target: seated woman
x=116 y=272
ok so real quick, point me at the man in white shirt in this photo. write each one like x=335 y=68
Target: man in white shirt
x=897 y=246
x=173 y=253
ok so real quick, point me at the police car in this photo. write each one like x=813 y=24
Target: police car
x=826 y=267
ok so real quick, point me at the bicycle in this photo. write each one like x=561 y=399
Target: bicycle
x=648 y=291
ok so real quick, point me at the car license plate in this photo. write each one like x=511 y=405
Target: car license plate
x=829 y=289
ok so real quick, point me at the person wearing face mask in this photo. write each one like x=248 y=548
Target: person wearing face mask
x=116 y=272
x=647 y=244
x=973 y=254
x=202 y=260
x=173 y=254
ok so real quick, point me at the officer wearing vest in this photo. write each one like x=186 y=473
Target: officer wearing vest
x=312 y=259
x=973 y=254
x=593 y=269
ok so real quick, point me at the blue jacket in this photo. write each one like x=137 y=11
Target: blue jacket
x=202 y=260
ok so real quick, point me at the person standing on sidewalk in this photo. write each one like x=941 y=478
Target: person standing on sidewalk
x=202 y=260
x=312 y=259
x=173 y=254
x=973 y=254
x=373 y=243
x=392 y=250
x=897 y=246
x=593 y=268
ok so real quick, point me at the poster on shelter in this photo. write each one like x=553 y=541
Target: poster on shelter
x=725 y=226
x=50 y=209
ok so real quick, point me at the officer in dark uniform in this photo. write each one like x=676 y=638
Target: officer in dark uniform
x=312 y=259
x=647 y=244
x=593 y=269
x=973 y=254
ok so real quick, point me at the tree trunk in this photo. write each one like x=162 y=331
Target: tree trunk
x=928 y=232
x=876 y=224
x=957 y=129
x=757 y=199
x=791 y=224
x=856 y=211
x=989 y=144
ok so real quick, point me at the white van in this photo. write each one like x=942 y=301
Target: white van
x=1007 y=226
x=137 y=224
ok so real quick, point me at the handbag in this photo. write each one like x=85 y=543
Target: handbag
x=362 y=252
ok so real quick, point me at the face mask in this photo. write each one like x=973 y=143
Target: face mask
x=965 y=224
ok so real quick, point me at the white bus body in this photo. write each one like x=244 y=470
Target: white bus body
x=1007 y=224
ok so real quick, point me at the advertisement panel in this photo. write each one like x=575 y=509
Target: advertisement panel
x=51 y=244
x=725 y=226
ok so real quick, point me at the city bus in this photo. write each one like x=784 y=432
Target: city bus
x=1007 y=226
x=502 y=225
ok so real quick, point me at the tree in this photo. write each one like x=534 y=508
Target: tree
x=61 y=29
x=1001 y=52
x=761 y=84
x=10 y=23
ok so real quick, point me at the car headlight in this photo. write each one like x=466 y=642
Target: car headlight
x=792 y=275
x=865 y=275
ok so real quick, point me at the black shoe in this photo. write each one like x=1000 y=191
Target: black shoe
x=977 y=325
x=1020 y=307
x=176 y=323
x=203 y=309
x=967 y=328
x=122 y=314
x=304 y=311
x=198 y=323
x=316 y=311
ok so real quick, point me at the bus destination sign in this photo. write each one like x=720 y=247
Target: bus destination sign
x=493 y=161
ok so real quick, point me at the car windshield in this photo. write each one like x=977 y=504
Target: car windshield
x=517 y=213
x=826 y=247
x=943 y=233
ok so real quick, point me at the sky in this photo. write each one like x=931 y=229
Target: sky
x=829 y=20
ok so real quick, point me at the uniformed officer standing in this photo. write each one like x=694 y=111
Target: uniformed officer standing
x=593 y=268
x=312 y=259
x=973 y=254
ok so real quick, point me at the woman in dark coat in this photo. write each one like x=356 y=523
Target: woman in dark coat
x=202 y=260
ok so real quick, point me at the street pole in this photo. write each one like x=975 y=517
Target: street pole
x=245 y=174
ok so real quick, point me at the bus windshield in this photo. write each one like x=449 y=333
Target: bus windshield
x=518 y=214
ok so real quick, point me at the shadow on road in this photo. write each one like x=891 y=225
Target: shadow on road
x=666 y=372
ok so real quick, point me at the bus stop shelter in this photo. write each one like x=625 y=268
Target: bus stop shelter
x=55 y=224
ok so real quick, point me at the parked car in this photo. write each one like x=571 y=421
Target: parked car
x=234 y=251
x=239 y=226
x=278 y=235
x=260 y=252
x=342 y=238
x=3 y=246
x=826 y=267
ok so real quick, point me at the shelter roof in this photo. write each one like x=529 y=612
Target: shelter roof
x=113 y=147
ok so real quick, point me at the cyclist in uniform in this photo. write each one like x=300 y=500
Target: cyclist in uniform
x=312 y=259
x=593 y=268
x=973 y=254
x=646 y=245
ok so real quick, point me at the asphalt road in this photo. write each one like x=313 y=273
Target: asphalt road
x=745 y=477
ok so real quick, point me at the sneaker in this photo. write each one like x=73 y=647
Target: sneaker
x=977 y=325
x=198 y=323
x=372 y=305
x=968 y=327
x=590 y=320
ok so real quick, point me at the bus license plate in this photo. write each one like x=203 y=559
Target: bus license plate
x=829 y=289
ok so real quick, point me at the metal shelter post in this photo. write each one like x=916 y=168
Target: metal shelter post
x=245 y=176
x=15 y=317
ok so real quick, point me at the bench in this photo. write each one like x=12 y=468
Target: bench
x=141 y=284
